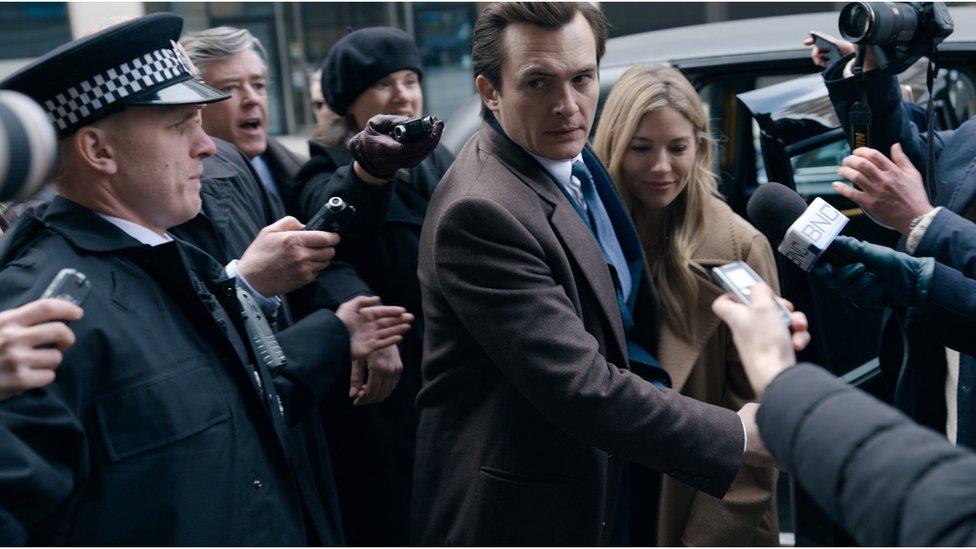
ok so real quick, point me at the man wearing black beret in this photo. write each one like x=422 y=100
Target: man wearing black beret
x=168 y=421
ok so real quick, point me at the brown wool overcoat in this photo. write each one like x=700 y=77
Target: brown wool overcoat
x=527 y=408
x=707 y=368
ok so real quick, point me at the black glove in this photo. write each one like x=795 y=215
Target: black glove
x=882 y=277
x=381 y=155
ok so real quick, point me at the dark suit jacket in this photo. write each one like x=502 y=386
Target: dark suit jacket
x=527 y=408
x=880 y=476
x=914 y=364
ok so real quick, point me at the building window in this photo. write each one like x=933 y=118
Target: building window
x=31 y=29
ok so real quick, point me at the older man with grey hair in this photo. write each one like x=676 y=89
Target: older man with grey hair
x=234 y=61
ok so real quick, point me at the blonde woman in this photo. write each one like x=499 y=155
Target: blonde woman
x=654 y=138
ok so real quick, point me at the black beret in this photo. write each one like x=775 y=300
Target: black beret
x=362 y=57
x=132 y=63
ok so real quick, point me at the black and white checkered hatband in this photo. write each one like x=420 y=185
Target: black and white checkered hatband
x=78 y=102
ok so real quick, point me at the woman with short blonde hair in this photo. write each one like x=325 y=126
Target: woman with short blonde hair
x=654 y=138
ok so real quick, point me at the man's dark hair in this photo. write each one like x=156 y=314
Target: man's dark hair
x=488 y=49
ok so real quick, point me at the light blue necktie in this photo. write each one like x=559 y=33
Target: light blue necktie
x=264 y=174
x=600 y=223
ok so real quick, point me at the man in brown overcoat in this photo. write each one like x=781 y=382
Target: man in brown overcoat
x=539 y=376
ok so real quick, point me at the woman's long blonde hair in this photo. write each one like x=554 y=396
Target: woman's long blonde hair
x=639 y=91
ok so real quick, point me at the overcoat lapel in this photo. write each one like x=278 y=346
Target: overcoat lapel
x=719 y=246
x=677 y=354
x=578 y=241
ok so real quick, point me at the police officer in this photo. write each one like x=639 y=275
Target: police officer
x=165 y=425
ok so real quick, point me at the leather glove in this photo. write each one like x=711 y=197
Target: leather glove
x=381 y=155
x=881 y=277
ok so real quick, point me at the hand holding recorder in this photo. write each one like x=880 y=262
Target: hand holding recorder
x=284 y=257
x=766 y=344
x=378 y=151
x=33 y=337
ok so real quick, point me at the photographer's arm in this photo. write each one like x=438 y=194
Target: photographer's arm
x=891 y=121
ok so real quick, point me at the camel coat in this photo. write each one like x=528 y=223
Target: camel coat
x=708 y=369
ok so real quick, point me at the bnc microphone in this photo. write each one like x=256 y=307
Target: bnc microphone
x=801 y=233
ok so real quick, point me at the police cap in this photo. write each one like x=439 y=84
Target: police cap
x=133 y=63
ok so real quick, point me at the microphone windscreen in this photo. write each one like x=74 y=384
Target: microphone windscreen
x=772 y=208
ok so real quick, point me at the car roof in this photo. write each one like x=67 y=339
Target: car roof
x=775 y=37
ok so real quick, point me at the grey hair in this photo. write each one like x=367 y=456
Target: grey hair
x=219 y=42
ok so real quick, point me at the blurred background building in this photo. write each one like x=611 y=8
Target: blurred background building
x=298 y=35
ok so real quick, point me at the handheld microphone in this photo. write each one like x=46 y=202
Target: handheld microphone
x=802 y=233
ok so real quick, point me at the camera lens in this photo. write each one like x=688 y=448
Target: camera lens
x=879 y=23
x=28 y=146
x=855 y=21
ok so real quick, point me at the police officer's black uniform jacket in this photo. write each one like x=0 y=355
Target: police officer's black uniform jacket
x=160 y=428
x=236 y=206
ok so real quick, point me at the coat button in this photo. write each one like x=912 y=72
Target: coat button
x=603 y=524
x=257 y=484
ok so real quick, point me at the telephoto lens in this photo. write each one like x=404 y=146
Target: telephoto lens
x=28 y=146
x=879 y=23
x=413 y=129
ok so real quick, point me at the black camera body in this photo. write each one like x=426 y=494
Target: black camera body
x=900 y=32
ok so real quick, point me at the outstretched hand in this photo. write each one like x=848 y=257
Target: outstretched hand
x=891 y=191
x=877 y=276
x=380 y=155
x=372 y=328
x=32 y=340
x=766 y=346
x=283 y=257
x=820 y=56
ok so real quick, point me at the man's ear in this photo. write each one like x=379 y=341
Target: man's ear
x=94 y=149
x=489 y=95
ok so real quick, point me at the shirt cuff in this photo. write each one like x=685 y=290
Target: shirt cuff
x=849 y=68
x=918 y=231
x=745 y=436
x=269 y=305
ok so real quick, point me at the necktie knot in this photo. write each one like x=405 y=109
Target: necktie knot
x=581 y=172
x=580 y=183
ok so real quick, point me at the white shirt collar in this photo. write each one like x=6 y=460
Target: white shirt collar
x=137 y=231
x=561 y=170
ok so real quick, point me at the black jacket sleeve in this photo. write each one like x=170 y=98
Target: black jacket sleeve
x=951 y=240
x=949 y=315
x=884 y=479
x=891 y=119
x=321 y=179
x=317 y=349
x=43 y=446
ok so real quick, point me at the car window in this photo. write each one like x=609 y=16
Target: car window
x=814 y=171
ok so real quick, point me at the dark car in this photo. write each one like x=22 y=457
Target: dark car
x=755 y=75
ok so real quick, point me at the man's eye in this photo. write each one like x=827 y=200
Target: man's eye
x=582 y=78
x=230 y=88
x=535 y=84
